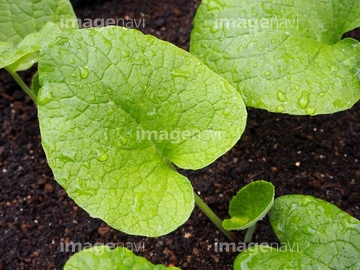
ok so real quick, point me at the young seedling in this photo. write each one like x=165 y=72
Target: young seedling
x=117 y=109
x=250 y=205
x=103 y=257
x=138 y=111
x=314 y=235
x=283 y=56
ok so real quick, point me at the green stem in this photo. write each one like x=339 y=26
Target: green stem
x=22 y=84
x=214 y=218
x=249 y=234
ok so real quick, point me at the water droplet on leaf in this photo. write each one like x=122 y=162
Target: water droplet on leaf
x=226 y=111
x=267 y=73
x=214 y=4
x=45 y=96
x=180 y=73
x=306 y=201
x=102 y=155
x=152 y=113
x=304 y=101
x=84 y=72
x=280 y=108
x=310 y=110
x=123 y=140
x=281 y=96
x=309 y=231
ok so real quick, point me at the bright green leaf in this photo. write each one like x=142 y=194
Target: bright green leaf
x=35 y=84
x=250 y=205
x=116 y=108
x=284 y=56
x=27 y=52
x=314 y=235
x=105 y=258
x=27 y=26
x=19 y=18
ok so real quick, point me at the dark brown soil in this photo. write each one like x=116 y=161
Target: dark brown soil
x=318 y=156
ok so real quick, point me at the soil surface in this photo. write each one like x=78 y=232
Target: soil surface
x=317 y=155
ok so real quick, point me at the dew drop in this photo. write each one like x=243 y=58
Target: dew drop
x=123 y=140
x=226 y=112
x=152 y=113
x=309 y=231
x=320 y=209
x=304 y=101
x=280 y=108
x=293 y=206
x=125 y=53
x=339 y=103
x=297 y=87
x=73 y=75
x=45 y=96
x=247 y=70
x=214 y=29
x=225 y=88
x=86 y=165
x=306 y=201
x=101 y=155
x=84 y=72
x=267 y=73
x=180 y=73
x=72 y=61
x=67 y=157
x=214 y=4
x=351 y=223
x=310 y=110
x=154 y=98
x=281 y=96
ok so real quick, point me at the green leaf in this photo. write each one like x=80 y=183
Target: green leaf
x=26 y=53
x=250 y=205
x=35 y=84
x=284 y=56
x=104 y=258
x=19 y=18
x=116 y=108
x=314 y=234
x=27 y=26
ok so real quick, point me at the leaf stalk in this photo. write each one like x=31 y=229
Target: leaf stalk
x=214 y=218
x=22 y=85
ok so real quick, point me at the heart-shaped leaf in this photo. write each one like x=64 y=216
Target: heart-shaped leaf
x=283 y=56
x=250 y=205
x=314 y=234
x=27 y=25
x=103 y=258
x=116 y=108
